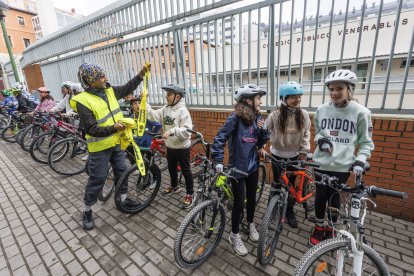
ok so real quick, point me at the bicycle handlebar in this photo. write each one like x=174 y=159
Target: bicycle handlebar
x=299 y=163
x=236 y=171
x=370 y=190
x=380 y=191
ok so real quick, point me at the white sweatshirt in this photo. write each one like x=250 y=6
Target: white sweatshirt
x=63 y=104
x=176 y=119
x=346 y=128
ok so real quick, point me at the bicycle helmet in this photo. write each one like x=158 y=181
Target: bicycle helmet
x=290 y=88
x=6 y=92
x=67 y=84
x=134 y=99
x=76 y=87
x=43 y=89
x=247 y=91
x=174 y=88
x=341 y=75
x=18 y=86
x=15 y=91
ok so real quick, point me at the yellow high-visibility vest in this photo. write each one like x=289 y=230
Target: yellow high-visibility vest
x=105 y=116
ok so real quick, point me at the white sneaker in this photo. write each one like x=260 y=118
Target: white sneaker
x=238 y=245
x=253 y=234
x=85 y=157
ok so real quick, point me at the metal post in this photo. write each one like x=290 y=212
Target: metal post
x=6 y=39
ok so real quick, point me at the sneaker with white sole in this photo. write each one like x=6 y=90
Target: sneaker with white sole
x=253 y=234
x=85 y=157
x=238 y=245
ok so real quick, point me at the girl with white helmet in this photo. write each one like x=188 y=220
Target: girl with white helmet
x=341 y=127
x=67 y=93
x=247 y=134
x=289 y=125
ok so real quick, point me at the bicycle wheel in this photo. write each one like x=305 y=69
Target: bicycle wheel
x=197 y=150
x=199 y=234
x=139 y=189
x=160 y=158
x=108 y=187
x=29 y=135
x=67 y=156
x=322 y=259
x=270 y=230
x=39 y=149
x=3 y=123
x=19 y=134
x=9 y=132
x=261 y=182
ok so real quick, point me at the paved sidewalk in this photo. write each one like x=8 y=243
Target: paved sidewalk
x=41 y=233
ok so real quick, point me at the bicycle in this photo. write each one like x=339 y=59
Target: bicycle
x=202 y=228
x=330 y=256
x=274 y=218
x=139 y=188
x=40 y=124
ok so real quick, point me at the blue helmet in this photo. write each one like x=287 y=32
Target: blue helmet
x=290 y=88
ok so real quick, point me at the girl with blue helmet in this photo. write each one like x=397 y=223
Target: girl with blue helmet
x=289 y=125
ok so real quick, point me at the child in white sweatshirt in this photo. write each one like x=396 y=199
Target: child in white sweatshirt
x=341 y=126
x=175 y=119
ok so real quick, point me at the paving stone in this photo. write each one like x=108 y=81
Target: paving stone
x=16 y=262
x=92 y=266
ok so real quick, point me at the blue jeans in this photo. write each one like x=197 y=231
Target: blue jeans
x=98 y=165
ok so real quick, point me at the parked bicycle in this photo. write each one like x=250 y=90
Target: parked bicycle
x=280 y=190
x=348 y=253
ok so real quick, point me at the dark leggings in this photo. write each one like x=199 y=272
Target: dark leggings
x=182 y=157
x=244 y=188
x=325 y=194
x=276 y=174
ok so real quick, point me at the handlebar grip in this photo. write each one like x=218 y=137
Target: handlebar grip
x=318 y=174
x=191 y=131
x=242 y=173
x=310 y=164
x=380 y=191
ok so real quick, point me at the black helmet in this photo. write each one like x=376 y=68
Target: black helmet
x=174 y=88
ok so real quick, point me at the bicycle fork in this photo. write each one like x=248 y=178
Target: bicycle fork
x=213 y=219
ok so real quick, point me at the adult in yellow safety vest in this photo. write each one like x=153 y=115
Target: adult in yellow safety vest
x=99 y=115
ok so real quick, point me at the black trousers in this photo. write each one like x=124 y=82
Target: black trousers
x=277 y=173
x=244 y=188
x=325 y=194
x=182 y=157
x=98 y=165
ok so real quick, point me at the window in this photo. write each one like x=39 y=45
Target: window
x=404 y=63
x=331 y=69
x=20 y=19
x=10 y=39
x=26 y=42
x=347 y=67
x=286 y=72
x=317 y=75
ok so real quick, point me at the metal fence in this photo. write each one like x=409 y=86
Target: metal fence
x=212 y=47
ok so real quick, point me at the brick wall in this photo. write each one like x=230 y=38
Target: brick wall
x=392 y=161
x=33 y=76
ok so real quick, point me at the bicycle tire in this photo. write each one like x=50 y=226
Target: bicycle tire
x=40 y=147
x=197 y=149
x=138 y=187
x=9 y=133
x=161 y=159
x=29 y=135
x=261 y=182
x=3 y=123
x=19 y=134
x=266 y=248
x=326 y=246
x=66 y=156
x=108 y=188
x=201 y=211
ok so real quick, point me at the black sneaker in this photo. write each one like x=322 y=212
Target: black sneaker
x=87 y=220
x=291 y=219
x=130 y=204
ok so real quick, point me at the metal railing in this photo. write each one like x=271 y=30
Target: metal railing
x=212 y=47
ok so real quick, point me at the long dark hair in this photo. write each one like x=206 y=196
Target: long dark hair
x=283 y=116
x=47 y=97
x=245 y=111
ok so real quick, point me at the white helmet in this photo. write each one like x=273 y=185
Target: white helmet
x=77 y=87
x=341 y=75
x=18 y=86
x=67 y=84
x=247 y=91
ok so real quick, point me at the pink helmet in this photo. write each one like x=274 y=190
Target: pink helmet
x=43 y=89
